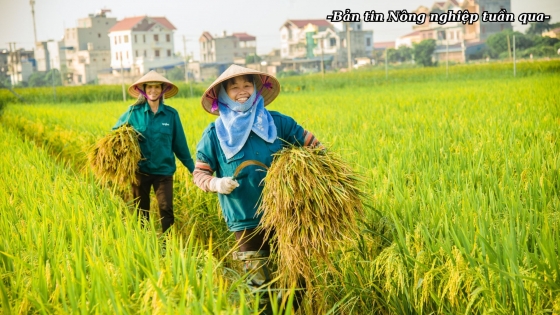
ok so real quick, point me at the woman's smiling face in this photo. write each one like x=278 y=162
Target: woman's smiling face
x=240 y=88
x=153 y=90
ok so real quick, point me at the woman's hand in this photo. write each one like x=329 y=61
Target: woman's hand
x=224 y=185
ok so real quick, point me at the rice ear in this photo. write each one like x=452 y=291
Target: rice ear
x=311 y=199
x=114 y=158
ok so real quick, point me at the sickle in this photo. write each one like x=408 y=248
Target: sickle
x=245 y=164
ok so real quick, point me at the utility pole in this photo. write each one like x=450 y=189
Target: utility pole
x=192 y=54
x=349 y=51
x=509 y=48
x=463 y=55
x=122 y=78
x=446 y=57
x=322 y=59
x=13 y=64
x=52 y=79
x=514 y=55
x=32 y=3
x=386 y=66
x=186 y=62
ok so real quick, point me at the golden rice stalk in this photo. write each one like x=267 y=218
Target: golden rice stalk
x=114 y=158
x=309 y=204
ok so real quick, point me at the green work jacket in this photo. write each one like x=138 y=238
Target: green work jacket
x=240 y=206
x=162 y=139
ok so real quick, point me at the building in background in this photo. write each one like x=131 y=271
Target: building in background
x=140 y=44
x=381 y=46
x=412 y=38
x=21 y=65
x=454 y=39
x=271 y=63
x=307 y=43
x=480 y=31
x=217 y=53
x=4 y=54
x=361 y=44
x=206 y=71
x=86 y=50
x=553 y=33
x=294 y=38
x=227 y=48
x=51 y=55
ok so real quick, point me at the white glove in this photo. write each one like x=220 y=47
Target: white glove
x=224 y=185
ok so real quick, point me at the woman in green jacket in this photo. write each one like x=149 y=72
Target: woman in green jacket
x=162 y=140
x=244 y=130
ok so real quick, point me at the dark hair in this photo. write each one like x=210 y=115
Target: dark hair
x=248 y=77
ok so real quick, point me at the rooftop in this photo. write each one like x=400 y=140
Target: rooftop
x=132 y=23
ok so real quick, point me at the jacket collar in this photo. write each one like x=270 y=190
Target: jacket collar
x=161 y=108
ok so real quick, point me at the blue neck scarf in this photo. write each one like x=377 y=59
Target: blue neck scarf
x=236 y=121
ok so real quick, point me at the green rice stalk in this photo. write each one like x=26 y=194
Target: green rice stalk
x=114 y=158
x=310 y=200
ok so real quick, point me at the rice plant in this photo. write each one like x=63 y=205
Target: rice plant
x=462 y=182
x=69 y=246
x=115 y=157
x=309 y=205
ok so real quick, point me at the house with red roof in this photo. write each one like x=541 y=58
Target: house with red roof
x=310 y=41
x=293 y=36
x=455 y=32
x=230 y=48
x=454 y=40
x=553 y=33
x=383 y=45
x=411 y=38
x=143 y=43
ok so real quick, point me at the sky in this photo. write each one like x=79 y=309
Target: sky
x=262 y=19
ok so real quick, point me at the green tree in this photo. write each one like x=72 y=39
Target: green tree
x=392 y=55
x=37 y=79
x=5 y=82
x=176 y=74
x=538 y=51
x=423 y=52
x=378 y=56
x=538 y=27
x=21 y=84
x=498 y=43
x=252 y=59
x=545 y=41
x=53 y=77
x=404 y=53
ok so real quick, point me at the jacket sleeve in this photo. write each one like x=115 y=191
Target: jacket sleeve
x=206 y=161
x=122 y=120
x=295 y=134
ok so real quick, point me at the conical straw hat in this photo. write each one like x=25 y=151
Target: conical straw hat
x=149 y=77
x=269 y=92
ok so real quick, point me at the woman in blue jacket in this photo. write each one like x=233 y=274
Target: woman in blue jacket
x=244 y=130
x=162 y=139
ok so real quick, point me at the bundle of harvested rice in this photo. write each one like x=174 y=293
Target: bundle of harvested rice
x=114 y=158
x=309 y=203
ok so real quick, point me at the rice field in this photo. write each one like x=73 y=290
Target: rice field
x=461 y=213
